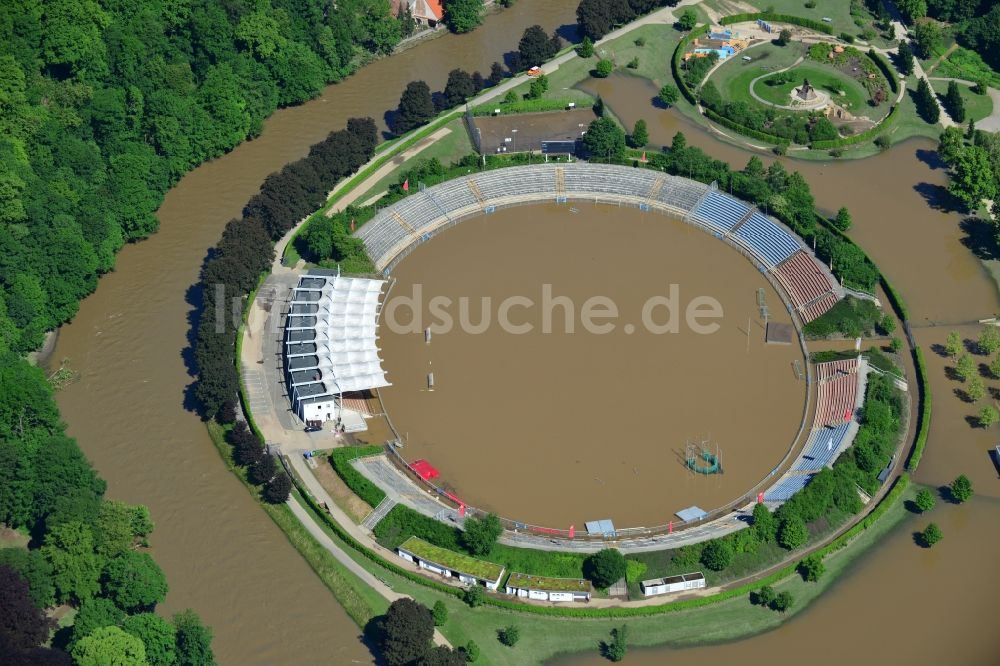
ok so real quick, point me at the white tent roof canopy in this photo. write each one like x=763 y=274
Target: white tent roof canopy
x=346 y=330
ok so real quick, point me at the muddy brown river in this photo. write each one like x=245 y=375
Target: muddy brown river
x=590 y=421
x=225 y=558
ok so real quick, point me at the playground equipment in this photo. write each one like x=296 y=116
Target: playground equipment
x=693 y=459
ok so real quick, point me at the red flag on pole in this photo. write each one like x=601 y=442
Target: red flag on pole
x=572 y=531
x=352 y=226
x=461 y=510
x=406 y=185
x=760 y=498
x=670 y=527
x=847 y=415
x=644 y=156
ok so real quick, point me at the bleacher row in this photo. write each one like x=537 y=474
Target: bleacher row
x=839 y=391
x=775 y=248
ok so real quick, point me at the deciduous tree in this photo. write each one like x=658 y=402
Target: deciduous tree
x=134 y=582
x=479 y=534
x=22 y=624
x=792 y=533
x=605 y=567
x=463 y=15
x=407 y=630
x=961 y=488
x=157 y=635
x=194 y=640
x=416 y=107
x=604 y=139
x=110 y=646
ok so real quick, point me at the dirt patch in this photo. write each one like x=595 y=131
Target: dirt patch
x=352 y=505
x=12 y=538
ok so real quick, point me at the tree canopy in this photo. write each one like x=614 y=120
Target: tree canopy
x=605 y=567
x=407 y=630
x=134 y=581
x=604 y=139
x=479 y=534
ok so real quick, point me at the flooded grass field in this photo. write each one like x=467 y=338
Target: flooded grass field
x=557 y=428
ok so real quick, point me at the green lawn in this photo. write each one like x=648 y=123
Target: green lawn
x=733 y=78
x=826 y=79
x=977 y=107
x=544 y=637
x=447 y=150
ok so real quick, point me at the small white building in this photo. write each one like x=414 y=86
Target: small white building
x=547 y=589
x=688 y=581
x=449 y=564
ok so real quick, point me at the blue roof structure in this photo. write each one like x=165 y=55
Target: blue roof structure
x=691 y=513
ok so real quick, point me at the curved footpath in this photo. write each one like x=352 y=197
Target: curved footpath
x=272 y=417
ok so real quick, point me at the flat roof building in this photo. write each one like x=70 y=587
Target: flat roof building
x=679 y=583
x=541 y=588
x=450 y=564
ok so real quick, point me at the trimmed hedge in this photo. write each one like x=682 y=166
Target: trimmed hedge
x=858 y=138
x=675 y=63
x=743 y=129
x=355 y=480
x=923 y=428
x=886 y=68
x=818 y=26
x=895 y=300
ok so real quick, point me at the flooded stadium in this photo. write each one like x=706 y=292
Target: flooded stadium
x=556 y=428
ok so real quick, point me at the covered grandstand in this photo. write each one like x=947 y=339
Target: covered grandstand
x=330 y=343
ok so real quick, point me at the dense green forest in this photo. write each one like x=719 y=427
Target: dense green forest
x=82 y=552
x=105 y=104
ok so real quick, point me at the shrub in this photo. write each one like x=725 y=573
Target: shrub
x=717 y=554
x=616 y=649
x=474 y=596
x=931 y=535
x=988 y=416
x=811 y=568
x=687 y=20
x=782 y=602
x=640 y=41
x=480 y=534
x=509 y=635
x=925 y=500
x=471 y=651
x=633 y=63
x=792 y=533
x=586 y=48
x=764 y=596
x=604 y=68
x=440 y=613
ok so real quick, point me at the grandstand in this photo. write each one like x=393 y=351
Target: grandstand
x=807 y=284
x=839 y=394
x=786 y=486
x=766 y=240
x=720 y=212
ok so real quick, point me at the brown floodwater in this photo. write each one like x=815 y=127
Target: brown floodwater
x=224 y=557
x=895 y=198
x=221 y=553
x=588 y=425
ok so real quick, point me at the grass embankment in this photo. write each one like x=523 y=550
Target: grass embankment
x=450 y=148
x=359 y=600
x=543 y=637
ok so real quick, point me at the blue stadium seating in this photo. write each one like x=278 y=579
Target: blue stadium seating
x=818 y=452
x=783 y=490
x=767 y=240
x=720 y=212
